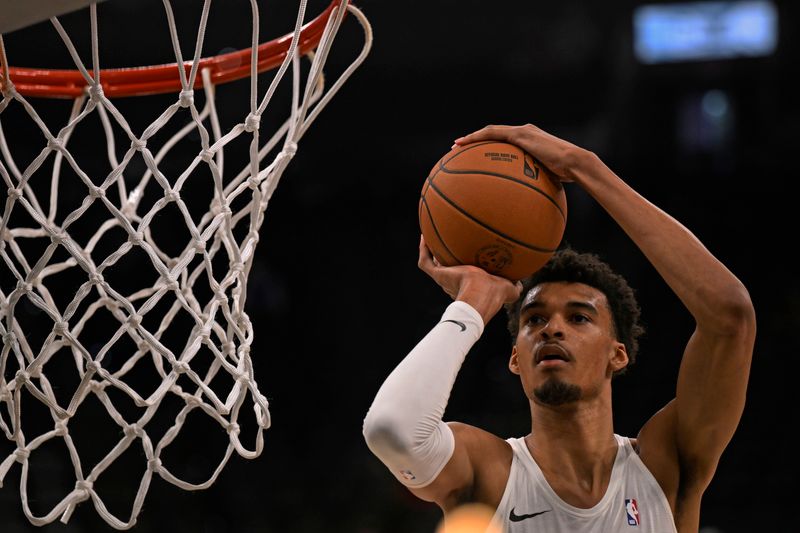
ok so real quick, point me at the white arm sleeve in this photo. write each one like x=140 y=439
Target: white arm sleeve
x=404 y=426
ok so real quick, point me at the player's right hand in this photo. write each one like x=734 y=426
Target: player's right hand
x=470 y=284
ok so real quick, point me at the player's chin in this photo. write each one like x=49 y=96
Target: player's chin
x=555 y=392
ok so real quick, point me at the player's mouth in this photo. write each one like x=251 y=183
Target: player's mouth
x=551 y=354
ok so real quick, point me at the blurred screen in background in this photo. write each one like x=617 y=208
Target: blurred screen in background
x=696 y=31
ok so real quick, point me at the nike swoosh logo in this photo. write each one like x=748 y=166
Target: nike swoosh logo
x=519 y=518
x=459 y=324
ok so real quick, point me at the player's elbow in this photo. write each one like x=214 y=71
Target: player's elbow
x=384 y=435
x=733 y=313
x=740 y=312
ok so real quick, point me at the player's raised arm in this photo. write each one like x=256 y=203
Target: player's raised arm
x=404 y=426
x=715 y=367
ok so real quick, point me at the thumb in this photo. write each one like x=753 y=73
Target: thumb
x=514 y=292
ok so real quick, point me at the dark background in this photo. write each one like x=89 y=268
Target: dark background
x=337 y=301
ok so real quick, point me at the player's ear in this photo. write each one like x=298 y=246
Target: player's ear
x=619 y=357
x=513 y=361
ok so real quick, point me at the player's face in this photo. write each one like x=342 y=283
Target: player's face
x=566 y=349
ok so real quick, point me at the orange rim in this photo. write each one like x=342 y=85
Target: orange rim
x=158 y=79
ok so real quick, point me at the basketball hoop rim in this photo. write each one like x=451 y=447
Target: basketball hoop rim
x=160 y=79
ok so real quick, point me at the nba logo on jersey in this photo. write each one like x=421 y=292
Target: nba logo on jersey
x=632 y=510
x=408 y=475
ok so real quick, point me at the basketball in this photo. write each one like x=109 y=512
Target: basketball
x=492 y=205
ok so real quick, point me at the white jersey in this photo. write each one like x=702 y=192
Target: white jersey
x=633 y=502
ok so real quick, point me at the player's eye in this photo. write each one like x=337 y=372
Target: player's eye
x=580 y=318
x=536 y=320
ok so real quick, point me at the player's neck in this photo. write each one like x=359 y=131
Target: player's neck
x=575 y=449
x=580 y=434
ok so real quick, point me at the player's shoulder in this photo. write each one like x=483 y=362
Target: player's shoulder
x=656 y=447
x=477 y=435
x=483 y=447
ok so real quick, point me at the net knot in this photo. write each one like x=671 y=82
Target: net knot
x=154 y=464
x=96 y=278
x=85 y=487
x=9 y=339
x=58 y=236
x=55 y=143
x=61 y=328
x=133 y=430
x=186 y=98
x=290 y=148
x=218 y=207
x=8 y=89
x=233 y=428
x=134 y=320
x=207 y=155
x=24 y=286
x=252 y=123
x=136 y=238
x=171 y=283
x=92 y=366
x=143 y=346
x=192 y=401
x=172 y=195
x=96 y=91
x=205 y=333
x=138 y=145
x=199 y=246
x=180 y=367
x=22 y=454
x=13 y=193
x=96 y=192
x=237 y=267
x=21 y=377
x=61 y=428
x=253 y=182
x=229 y=348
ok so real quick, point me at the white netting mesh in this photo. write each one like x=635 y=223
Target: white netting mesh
x=189 y=283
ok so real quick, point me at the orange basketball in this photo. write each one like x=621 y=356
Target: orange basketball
x=492 y=205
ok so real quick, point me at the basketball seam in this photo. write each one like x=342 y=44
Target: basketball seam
x=506 y=177
x=431 y=185
x=442 y=163
x=436 y=230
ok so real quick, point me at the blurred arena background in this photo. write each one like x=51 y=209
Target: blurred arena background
x=335 y=295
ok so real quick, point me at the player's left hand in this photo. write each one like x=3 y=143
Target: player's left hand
x=560 y=157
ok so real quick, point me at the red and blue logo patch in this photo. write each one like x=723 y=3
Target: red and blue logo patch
x=632 y=511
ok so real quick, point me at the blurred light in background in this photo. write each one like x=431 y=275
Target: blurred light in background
x=706 y=121
x=469 y=518
x=704 y=30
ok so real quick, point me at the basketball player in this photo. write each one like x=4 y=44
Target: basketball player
x=574 y=325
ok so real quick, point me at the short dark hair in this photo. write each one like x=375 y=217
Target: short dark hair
x=574 y=267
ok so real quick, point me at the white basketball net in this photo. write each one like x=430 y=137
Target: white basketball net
x=228 y=230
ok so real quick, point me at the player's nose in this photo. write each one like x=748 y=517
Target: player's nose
x=554 y=328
